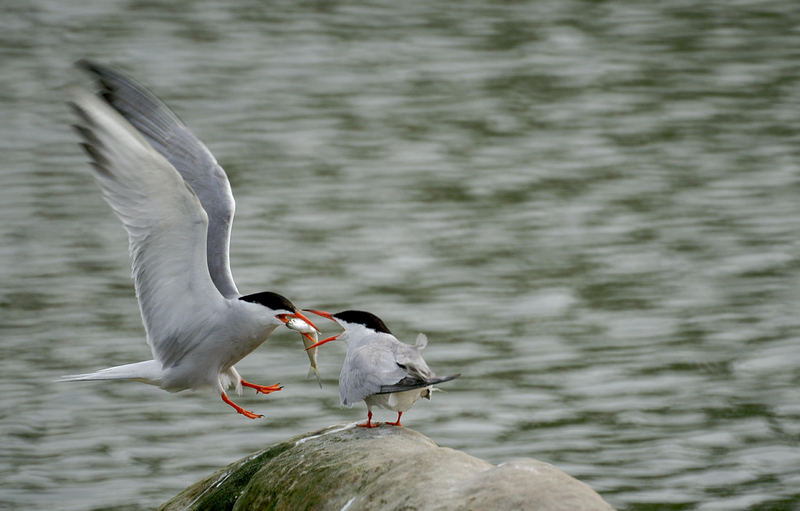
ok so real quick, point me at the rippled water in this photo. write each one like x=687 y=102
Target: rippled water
x=591 y=208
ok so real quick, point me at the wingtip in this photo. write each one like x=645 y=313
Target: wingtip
x=85 y=134
x=88 y=66
x=103 y=75
x=85 y=65
x=75 y=107
x=79 y=103
x=447 y=378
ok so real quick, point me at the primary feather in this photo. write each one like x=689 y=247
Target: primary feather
x=169 y=136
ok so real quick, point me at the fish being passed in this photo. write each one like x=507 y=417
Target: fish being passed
x=309 y=339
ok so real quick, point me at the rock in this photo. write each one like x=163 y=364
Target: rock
x=348 y=468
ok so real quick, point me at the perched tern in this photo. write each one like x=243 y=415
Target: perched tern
x=176 y=205
x=378 y=368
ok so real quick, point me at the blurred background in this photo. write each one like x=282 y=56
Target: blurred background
x=591 y=208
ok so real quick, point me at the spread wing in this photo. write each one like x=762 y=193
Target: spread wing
x=166 y=228
x=167 y=134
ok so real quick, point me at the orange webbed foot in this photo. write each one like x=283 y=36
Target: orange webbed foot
x=369 y=423
x=263 y=389
x=398 y=421
x=249 y=414
x=239 y=409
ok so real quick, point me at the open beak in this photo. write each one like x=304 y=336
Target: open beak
x=324 y=315
x=321 y=313
x=323 y=341
x=299 y=315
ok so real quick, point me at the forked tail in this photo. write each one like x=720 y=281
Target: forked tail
x=313 y=371
x=148 y=371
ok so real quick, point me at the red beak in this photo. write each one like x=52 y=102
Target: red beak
x=323 y=341
x=321 y=313
x=324 y=315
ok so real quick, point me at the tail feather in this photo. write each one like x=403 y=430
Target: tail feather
x=409 y=383
x=313 y=371
x=148 y=371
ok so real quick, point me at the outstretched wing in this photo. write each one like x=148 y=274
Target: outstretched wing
x=166 y=228
x=167 y=134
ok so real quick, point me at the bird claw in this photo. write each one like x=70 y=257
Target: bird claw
x=249 y=415
x=397 y=423
x=263 y=389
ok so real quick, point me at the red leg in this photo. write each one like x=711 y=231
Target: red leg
x=263 y=389
x=369 y=423
x=398 y=420
x=249 y=415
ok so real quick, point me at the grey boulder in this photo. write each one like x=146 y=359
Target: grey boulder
x=345 y=468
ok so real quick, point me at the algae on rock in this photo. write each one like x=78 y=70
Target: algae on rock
x=382 y=468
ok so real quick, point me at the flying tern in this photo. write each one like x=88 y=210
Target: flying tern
x=377 y=367
x=176 y=205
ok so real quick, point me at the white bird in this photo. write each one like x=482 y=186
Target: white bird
x=377 y=367
x=176 y=205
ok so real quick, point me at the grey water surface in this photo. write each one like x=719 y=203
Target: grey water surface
x=592 y=209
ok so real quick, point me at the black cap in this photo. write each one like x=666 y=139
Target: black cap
x=367 y=319
x=271 y=300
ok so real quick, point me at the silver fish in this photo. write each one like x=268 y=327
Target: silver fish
x=302 y=327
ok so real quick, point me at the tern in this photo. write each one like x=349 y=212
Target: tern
x=177 y=207
x=377 y=367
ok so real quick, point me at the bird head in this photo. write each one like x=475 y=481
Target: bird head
x=284 y=311
x=353 y=322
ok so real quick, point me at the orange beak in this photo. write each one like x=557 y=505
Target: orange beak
x=323 y=341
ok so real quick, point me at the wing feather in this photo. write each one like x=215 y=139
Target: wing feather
x=168 y=135
x=413 y=382
x=166 y=228
x=366 y=369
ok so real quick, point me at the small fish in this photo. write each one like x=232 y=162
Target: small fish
x=302 y=327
